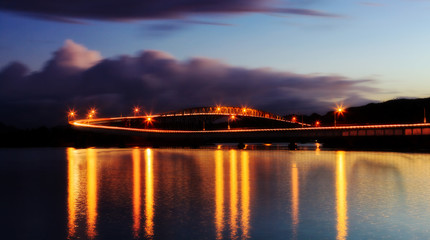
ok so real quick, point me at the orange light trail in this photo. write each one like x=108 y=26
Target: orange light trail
x=88 y=124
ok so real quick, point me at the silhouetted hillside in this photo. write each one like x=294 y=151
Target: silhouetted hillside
x=393 y=111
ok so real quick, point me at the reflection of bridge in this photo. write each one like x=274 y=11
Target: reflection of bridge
x=243 y=125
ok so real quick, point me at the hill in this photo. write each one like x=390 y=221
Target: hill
x=392 y=111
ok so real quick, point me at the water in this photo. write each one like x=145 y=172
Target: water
x=213 y=194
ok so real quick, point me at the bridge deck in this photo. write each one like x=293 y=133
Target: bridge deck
x=285 y=131
x=276 y=134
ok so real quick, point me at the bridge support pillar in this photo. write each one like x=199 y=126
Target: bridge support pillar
x=292 y=146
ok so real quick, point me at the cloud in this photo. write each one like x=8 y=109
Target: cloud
x=53 y=18
x=74 y=56
x=305 y=12
x=129 y=10
x=167 y=27
x=157 y=81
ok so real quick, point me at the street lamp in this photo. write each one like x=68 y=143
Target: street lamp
x=339 y=111
x=317 y=123
x=71 y=115
x=92 y=112
x=136 y=111
x=148 y=121
x=232 y=117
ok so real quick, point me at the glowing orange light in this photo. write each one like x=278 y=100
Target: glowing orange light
x=219 y=193
x=148 y=119
x=218 y=109
x=293 y=119
x=245 y=195
x=71 y=114
x=73 y=179
x=91 y=193
x=136 y=111
x=295 y=198
x=317 y=123
x=234 y=198
x=233 y=117
x=244 y=110
x=92 y=113
x=136 y=192
x=341 y=197
x=149 y=194
x=340 y=109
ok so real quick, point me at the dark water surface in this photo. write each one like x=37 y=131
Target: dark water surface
x=213 y=194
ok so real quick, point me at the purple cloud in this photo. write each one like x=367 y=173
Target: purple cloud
x=155 y=80
x=115 y=10
x=306 y=12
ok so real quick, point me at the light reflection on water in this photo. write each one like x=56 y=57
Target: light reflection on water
x=219 y=194
x=149 y=195
x=341 y=197
x=91 y=192
x=233 y=195
x=137 y=200
x=245 y=196
x=73 y=187
x=295 y=198
x=240 y=194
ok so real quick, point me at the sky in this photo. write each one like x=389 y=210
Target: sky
x=296 y=56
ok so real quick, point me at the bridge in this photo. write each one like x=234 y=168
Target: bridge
x=201 y=126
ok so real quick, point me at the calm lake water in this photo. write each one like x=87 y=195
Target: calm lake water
x=213 y=194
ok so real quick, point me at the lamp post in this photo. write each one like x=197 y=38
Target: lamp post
x=71 y=115
x=148 y=121
x=92 y=112
x=90 y=116
x=136 y=111
x=232 y=117
x=338 y=111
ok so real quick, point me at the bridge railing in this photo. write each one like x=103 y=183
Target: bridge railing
x=226 y=111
